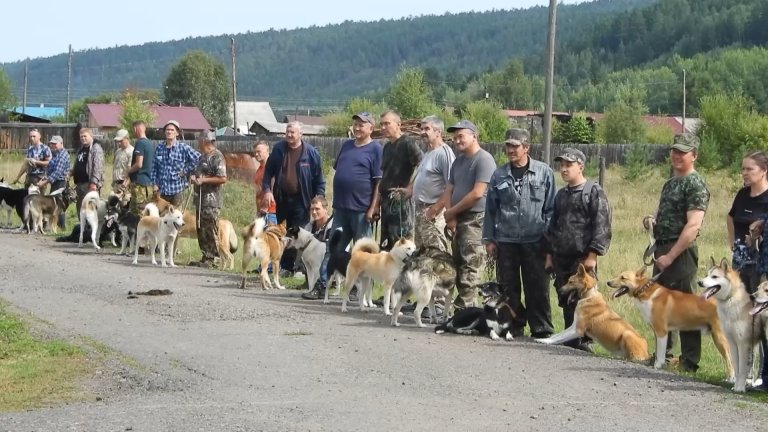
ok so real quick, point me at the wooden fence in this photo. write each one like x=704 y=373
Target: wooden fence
x=15 y=136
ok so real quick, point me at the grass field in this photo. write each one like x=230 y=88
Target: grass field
x=630 y=202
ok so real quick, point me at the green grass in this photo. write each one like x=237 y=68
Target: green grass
x=36 y=372
x=630 y=202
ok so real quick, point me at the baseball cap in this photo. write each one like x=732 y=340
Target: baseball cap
x=572 y=155
x=364 y=117
x=463 y=124
x=174 y=123
x=121 y=135
x=686 y=142
x=516 y=136
x=56 y=140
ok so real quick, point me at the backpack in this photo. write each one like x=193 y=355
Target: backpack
x=586 y=192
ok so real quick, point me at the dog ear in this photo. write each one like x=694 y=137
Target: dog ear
x=725 y=265
x=641 y=272
x=712 y=261
x=581 y=271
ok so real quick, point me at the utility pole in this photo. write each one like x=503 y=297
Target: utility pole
x=69 y=82
x=26 y=73
x=684 y=102
x=548 y=87
x=234 y=88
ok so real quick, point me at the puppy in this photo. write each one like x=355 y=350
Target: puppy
x=266 y=245
x=159 y=231
x=494 y=319
x=369 y=264
x=595 y=319
x=667 y=310
x=741 y=329
x=428 y=274
x=311 y=249
x=93 y=209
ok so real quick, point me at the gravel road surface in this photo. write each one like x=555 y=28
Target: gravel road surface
x=211 y=357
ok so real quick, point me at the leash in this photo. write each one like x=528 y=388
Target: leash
x=648 y=256
x=490 y=267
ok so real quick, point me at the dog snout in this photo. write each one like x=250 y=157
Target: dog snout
x=701 y=283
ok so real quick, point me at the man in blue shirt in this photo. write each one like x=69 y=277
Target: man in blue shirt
x=174 y=162
x=58 y=168
x=140 y=172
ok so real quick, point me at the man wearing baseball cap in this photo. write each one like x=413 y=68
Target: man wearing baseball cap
x=579 y=232
x=518 y=210
x=464 y=199
x=57 y=170
x=210 y=174
x=122 y=162
x=682 y=206
x=174 y=162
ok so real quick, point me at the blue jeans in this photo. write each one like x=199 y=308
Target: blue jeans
x=353 y=225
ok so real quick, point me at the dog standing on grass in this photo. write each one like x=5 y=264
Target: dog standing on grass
x=266 y=245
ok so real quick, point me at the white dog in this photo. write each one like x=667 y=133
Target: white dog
x=93 y=209
x=312 y=252
x=159 y=231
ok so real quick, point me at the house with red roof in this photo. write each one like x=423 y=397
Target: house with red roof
x=106 y=117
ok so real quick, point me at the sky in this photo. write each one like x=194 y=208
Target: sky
x=102 y=24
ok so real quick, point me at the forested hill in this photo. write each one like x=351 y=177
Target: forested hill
x=331 y=62
x=660 y=32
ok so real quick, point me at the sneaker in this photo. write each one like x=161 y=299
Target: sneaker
x=518 y=332
x=353 y=294
x=286 y=273
x=763 y=387
x=317 y=293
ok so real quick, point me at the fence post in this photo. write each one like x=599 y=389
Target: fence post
x=601 y=171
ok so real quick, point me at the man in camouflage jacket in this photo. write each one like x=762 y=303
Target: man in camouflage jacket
x=683 y=204
x=579 y=231
x=210 y=174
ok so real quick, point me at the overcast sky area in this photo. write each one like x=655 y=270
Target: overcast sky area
x=99 y=24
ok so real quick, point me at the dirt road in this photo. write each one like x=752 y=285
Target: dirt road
x=211 y=357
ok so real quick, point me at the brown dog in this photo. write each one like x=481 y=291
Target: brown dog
x=595 y=319
x=666 y=310
x=266 y=245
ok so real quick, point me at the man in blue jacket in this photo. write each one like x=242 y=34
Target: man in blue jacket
x=296 y=169
x=518 y=209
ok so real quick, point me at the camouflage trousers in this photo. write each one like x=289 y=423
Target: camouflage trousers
x=429 y=232
x=469 y=257
x=396 y=220
x=141 y=195
x=208 y=233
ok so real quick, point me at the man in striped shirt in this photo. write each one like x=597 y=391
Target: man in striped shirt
x=174 y=162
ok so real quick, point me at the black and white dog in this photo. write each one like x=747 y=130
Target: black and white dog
x=494 y=319
x=337 y=262
x=119 y=217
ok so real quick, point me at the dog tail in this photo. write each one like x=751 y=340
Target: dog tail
x=150 y=210
x=90 y=201
x=232 y=238
x=366 y=245
x=255 y=229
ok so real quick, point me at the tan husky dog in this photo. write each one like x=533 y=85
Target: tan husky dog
x=667 y=310
x=266 y=245
x=595 y=319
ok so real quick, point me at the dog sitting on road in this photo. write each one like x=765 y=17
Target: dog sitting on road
x=37 y=207
x=369 y=264
x=667 y=310
x=595 y=319
x=266 y=245
x=311 y=249
x=494 y=319
x=741 y=329
x=159 y=231
x=427 y=275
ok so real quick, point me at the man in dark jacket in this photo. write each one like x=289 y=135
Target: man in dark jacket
x=297 y=171
x=579 y=231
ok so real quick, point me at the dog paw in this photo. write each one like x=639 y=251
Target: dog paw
x=420 y=325
x=326 y=301
x=387 y=313
x=134 y=262
x=545 y=341
x=494 y=336
x=509 y=337
x=344 y=309
x=281 y=287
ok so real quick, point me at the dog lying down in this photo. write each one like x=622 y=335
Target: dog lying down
x=494 y=319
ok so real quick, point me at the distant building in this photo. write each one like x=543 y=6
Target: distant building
x=258 y=118
x=40 y=111
x=106 y=118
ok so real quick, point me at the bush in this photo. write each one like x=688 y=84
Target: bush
x=491 y=122
x=636 y=162
x=730 y=126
